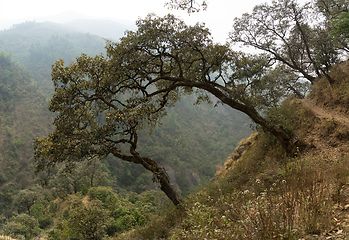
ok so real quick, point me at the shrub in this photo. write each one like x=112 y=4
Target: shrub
x=87 y=222
x=22 y=225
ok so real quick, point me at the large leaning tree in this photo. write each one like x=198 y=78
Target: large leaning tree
x=291 y=34
x=102 y=102
x=99 y=112
x=165 y=59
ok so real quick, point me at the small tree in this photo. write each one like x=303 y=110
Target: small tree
x=87 y=221
x=289 y=34
x=22 y=225
x=28 y=197
x=92 y=171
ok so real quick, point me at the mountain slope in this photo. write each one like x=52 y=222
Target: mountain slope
x=261 y=193
x=191 y=143
x=37 y=46
x=23 y=117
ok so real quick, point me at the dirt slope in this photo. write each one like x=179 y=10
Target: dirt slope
x=325 y=113
x=332 y=147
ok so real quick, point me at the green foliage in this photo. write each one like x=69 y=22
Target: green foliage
x=12 y=79
x=27 y=198
x=106 y=212
x=23 y=117
x=88 y=222
x=127 y=213
x=341 y=25
x=331 y=8
x=285 y=31
x=22 y=225
x=39 y=211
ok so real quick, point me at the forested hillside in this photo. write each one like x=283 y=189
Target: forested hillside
x=36 y=46
x=192 y=142
x=23 y=117
x=142 y=125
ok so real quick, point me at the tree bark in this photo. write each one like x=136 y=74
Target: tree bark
x=162 y=177
x=159 y=172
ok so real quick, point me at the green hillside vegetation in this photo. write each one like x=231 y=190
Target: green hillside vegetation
x=161 y=109
x=36 y=46
x=191 y=155
x=261 y=193
x=23 y=117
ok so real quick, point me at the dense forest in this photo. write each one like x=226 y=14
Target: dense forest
x=102 y=137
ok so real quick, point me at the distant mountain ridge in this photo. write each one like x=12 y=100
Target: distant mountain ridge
x=37 y=46
x=107 y=29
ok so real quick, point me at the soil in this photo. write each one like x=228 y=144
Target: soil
x=331 y=148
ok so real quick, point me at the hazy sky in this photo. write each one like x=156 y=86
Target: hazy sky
x=218 y=17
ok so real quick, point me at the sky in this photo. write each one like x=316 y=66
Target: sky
x=218 y=17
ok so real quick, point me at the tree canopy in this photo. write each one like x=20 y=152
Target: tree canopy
x=288 y=33
x=96 y=118
x=102 y=102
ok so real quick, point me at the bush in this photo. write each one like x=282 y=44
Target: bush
x=87 y=222
x=22 y=225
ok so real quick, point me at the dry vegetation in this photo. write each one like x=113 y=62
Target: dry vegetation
x=261 y=193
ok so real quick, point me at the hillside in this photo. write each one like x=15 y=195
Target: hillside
x=190 y=154
x=36 y=46
x=261 y=193
x=23 y=117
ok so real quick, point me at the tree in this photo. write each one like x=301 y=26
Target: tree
x=22 y=225
x=28 y=197
x=87 y=221
x=178 y=59
x=332 y=8
x=335 y=13
x=340 y=26
x=92 y=170
x=190 y=5
x=98 y=114
x=289 y=33
x=102 y=102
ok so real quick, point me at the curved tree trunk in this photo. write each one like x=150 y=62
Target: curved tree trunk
x=162 y=177
x=284 y=139
x=159 y=173
x=166 y=187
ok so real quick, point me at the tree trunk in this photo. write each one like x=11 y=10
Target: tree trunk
x=279 y=133
x=163 y=179
x=160 y=173
x=167 y=188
